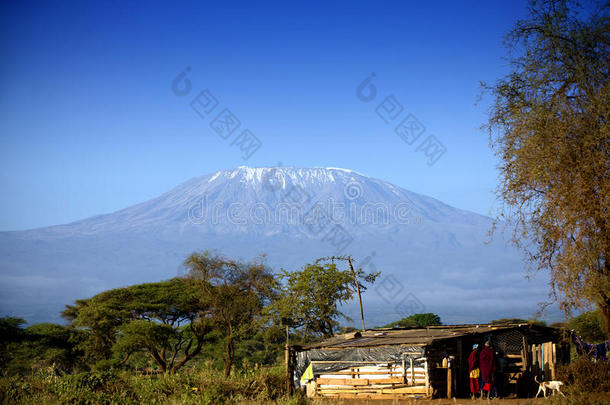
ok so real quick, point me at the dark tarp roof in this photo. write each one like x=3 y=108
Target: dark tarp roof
x=421 y=336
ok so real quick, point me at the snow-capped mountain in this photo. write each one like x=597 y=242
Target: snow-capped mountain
x=272 y=201
x=433 y=257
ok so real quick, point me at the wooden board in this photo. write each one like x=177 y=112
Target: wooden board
x=374 y=382
x=361 y=391
x=376 y=372
x=358 y=381
x=374 y=396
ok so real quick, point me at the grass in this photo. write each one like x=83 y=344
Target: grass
x=201 y=386
x=587 y=383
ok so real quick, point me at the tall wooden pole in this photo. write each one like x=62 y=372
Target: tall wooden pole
x=449 y=381
x=351 y=267
x=287 y=364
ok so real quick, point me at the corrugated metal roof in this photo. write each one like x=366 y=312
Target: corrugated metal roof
x=415 y=337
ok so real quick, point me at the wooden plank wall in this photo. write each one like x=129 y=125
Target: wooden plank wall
x=544 y=360
x=374 y=382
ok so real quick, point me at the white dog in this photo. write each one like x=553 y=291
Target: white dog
x=551 y=385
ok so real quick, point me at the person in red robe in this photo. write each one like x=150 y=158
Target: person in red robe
x=473 y=370
x=487 y=363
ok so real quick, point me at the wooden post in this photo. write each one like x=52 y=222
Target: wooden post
x=412 y=371
x=553 y=361
x=449 y=382
x=404 y=370
x=287 y=367
x=287 y=364
x=524 y=364
x=351 y=267
x=291 y=373
x=460 y=373
x=427 y=375
x=522 y=385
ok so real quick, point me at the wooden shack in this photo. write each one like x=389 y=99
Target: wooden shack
x=429 y=362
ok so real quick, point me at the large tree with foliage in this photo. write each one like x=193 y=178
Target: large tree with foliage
x=416 y=321
x=162 y=319
x=589 y=326
x=234 y=293
x=11 y=331
x=35 y=347
x=549 y=125
x=310 y=297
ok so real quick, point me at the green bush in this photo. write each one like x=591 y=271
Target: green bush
x=585 y=376
x=11 y=390
x=191 y=386
x=581 y=399
x=86 y=381
x=590 y=326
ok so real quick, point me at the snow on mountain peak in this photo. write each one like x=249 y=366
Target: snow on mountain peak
x=360 y=202
x=296 y=175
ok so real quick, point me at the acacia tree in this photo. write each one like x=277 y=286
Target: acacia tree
x=416 y=321
x=589 y=326
x=549 y=125
x=235 y=294
x=162 y=319
x=310 y=297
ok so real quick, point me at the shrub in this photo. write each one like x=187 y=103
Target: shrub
x=581 y=399
x=203 y=386
x=585 y=376
x=590 y=326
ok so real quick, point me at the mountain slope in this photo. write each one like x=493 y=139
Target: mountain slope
x=426 y=249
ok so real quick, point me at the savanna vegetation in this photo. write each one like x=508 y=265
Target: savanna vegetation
x=550 y=127
x=215 y=335
x=549 y=124
x=416 y=321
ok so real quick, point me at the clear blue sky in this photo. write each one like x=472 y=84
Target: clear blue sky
x=89 y=123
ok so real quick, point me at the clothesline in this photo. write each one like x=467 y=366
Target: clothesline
x=597 y=351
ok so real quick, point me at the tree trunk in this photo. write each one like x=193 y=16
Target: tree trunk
x=328 y=329
x=159 y=360
x=187 y=355
x=605 y=302
x=605 y=308
x=230 y=356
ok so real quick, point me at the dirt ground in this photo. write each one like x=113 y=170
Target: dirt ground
x=428 y=401
x=604 y=398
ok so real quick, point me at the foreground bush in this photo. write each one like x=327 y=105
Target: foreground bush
x=585 y=376
x=579 y=399
x=109 y=387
